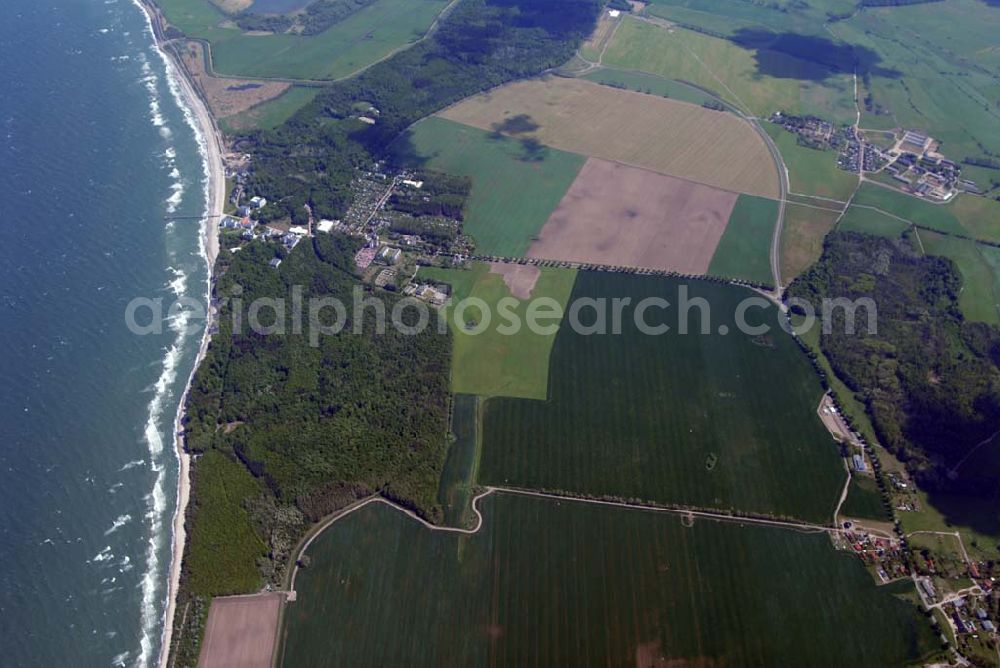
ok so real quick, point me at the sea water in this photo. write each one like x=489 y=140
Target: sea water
x=96 y=150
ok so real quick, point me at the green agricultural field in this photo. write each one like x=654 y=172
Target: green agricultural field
x=704 y=420
x=745 y=247
x=869 y=221
x=934 y=68
x=732 y=72
x=802 y=237
x=979 y=299
x=515 y=187
x=811 y=171
x=462 y=464
x=729 y=17
x=649 y=83
x=491 y=363
x=571 y=584
x=272 y=113
x=864 y=500
x=363 y=38
x=966 y=215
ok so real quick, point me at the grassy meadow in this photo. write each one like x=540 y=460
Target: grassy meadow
x=733 y=72
x=869 y=221
x=515 y=187
x=745 y=247
x=662 y=135
x=462 y=464
x=652 y=84
x=492 y=363
x=272 y=113
x=802 y=238
x=980 y=297
x=967 y=215
x=565 y=583
x=811 y=171
x=725 y=17
x=361 y=39
x=864 y=500
x=936 y=70
x=716 y=421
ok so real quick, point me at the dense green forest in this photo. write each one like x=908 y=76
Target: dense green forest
x=285 y=432
x=481 y=44
x=361 y=407
x=929 y=379
x=314 y=19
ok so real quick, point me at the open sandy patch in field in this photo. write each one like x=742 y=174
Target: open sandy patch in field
x=664 y=135
x=227 y=97
x=614 y=214
x=520 y=279
x=241 y=631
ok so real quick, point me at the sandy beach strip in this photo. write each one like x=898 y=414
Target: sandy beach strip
x=211 y=144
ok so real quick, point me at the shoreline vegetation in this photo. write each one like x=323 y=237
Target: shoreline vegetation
x=291 y=488
x=309 y=163
x=211 y=146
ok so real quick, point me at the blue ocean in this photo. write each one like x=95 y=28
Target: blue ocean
x=96 y=153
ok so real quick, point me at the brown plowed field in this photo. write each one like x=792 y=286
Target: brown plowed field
x=241 y=631
x=614 y=214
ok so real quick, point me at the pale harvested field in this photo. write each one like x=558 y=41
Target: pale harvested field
x=520 y=279
x=664 y=135
x=241 y=631
x=594 y=46
x=619 y=215
x=227 y=97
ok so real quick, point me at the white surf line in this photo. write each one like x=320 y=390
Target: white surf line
x=209 y=142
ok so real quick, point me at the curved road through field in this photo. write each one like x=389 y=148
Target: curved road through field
x=747 y=115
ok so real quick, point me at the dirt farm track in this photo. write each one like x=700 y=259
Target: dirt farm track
x=664 y=135
x=619 y=215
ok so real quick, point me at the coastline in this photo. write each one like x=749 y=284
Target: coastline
x=210 y=142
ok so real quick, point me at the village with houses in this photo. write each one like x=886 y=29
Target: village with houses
x=960 y=592
x=406 y=219
x=907 y=160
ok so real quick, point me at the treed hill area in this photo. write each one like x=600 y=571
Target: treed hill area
x=285 y=431
x=929 y=378
x=482 y=43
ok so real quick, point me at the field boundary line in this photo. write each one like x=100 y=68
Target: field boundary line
x=748 y=111
x=812 y=206
x=802 y=527
x=827 y=199
x=348 y=510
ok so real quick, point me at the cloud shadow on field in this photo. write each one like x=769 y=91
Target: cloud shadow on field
x=521 y=124
x=808 y=57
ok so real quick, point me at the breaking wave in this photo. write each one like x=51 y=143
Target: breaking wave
x=154 y=594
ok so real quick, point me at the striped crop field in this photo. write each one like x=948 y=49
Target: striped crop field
x=723 y=421
x=676 y=138
x=567 y=583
